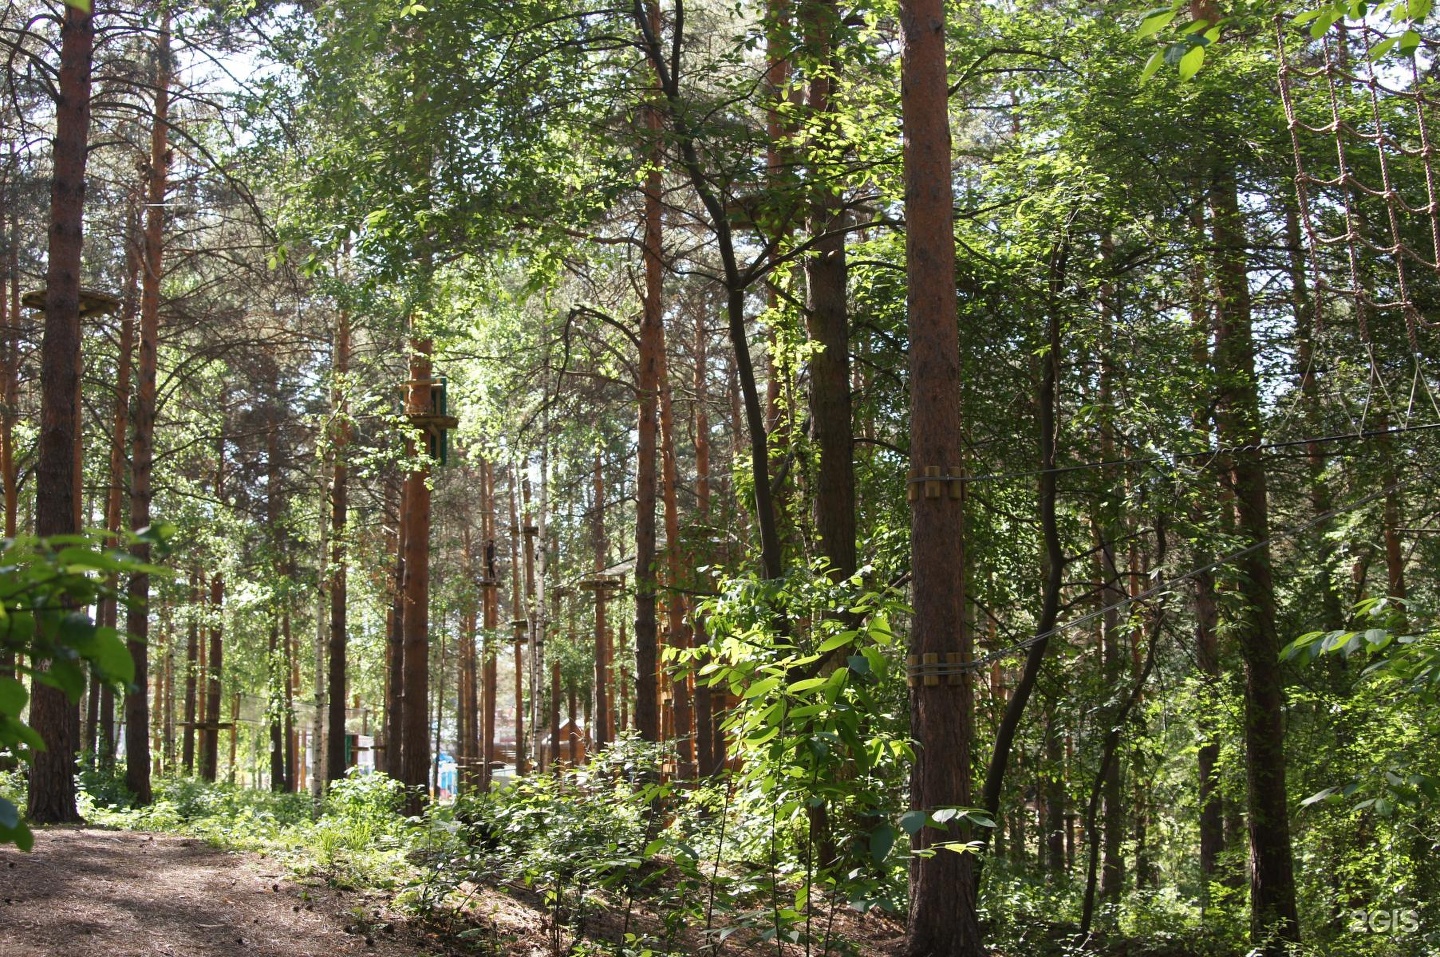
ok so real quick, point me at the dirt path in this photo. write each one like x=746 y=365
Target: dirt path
x=91 y=893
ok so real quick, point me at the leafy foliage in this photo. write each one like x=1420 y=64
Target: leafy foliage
x=44 y=585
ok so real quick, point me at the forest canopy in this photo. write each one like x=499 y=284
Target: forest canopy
x=971 y=462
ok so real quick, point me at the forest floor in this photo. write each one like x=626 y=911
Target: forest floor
x=90 y=892
x=84 y=892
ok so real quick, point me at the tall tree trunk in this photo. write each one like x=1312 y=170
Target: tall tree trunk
x=107 y=613
x=437 y=711
x=1052 y=560
x=943 y=921
x=601 y=731
x=157 y=704
x=1054 y=788
x=573 y=737
x=277 y=657
x=492 y=615
x=315 y=752
x=677 y=635
x=647 y=21
x=214 y=663
x=466 y=692
x=554 y=748
x=335 y=764
x=1274 y=919
x=276 y=721
x=1390 y=514
x=1108 y=523
x=652 y=345
x=1207 y=657
x=52 y=775
x=192 y=672
x=1206 y=599
x=10 y=354
x=168 y=724
x=294 y=774
x=214 y=668
x=708 y=737
x=826 y=313
x=415 y=753
x=533 y=627
x=1332 y=612
x=517 y=624
x=10 y=387
x=395 y=646
x=137 y=718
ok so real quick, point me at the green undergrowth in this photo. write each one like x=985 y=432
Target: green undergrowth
x=356 y=839
x=608 y=859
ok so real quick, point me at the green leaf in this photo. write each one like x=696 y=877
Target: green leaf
x=18 y=833
x=1152 y=65
x=65 y=675
x=836 y=641
x=1383 y=47
x=112 y=657
x=761 y=687
x=12 y=695
x=912 y=821
x=804 y=685
x=1409 y=42
x=1155 y=21
x=882 y=839
x=1191 y=62
x=1324 y=22
x=762 y=736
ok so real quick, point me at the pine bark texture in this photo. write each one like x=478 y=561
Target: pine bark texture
x=942 y=921
x=137 y=717
x=335 y=734
x=652 y=344
x=214 y=671
x=52 y=776
x=827 y=313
